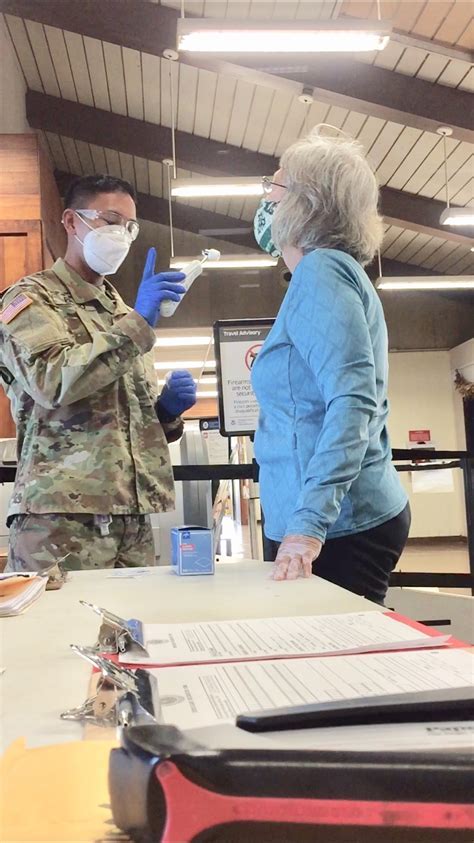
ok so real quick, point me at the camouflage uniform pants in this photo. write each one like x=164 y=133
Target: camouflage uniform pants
x=38 y=541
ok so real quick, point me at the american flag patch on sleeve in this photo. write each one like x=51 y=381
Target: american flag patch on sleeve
x=15 y=307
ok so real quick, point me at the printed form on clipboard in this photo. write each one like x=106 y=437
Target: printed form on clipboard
x=208 y=694
x=286 y=637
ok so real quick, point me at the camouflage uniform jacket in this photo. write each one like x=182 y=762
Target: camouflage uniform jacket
x=77 y=365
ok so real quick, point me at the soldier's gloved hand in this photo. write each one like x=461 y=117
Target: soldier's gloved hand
x=179 y=393
x=154 y=288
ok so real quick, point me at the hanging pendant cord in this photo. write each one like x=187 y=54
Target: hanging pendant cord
x=173 y=120
x=446 y=170
x=170 y=210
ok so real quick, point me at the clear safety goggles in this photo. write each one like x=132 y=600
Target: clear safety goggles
x=111 y=218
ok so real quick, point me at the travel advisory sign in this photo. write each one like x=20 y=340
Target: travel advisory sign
x=237 y=345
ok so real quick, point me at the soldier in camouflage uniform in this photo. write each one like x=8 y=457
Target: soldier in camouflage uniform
x=77 y=365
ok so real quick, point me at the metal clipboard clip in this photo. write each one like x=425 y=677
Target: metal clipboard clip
x=118 y=697
x=117 y=635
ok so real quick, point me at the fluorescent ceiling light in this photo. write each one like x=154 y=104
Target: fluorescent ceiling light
x=426 y=282
x=192 y=188
x=230 y=262
x=452 y=216
x=457 y=216
x=225 y=36
x=206 y=394
x=175 y=342
x=186 y=364
x=224 y=232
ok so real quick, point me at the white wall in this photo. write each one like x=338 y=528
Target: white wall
x=462 y=360
x=422 y=396
x=12 y=88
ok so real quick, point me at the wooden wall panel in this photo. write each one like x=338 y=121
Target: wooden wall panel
x=22 y=251
x=12 y=258
x=19 y=177
x=54 y=235
x=26 y=207
x=28 y=196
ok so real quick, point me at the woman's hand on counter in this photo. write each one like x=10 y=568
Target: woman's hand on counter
x=295 y=557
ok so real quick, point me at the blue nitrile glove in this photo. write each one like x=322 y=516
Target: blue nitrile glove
x=155 y=288
x=179 y=393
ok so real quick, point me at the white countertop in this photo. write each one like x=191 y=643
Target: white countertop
x=43 y=677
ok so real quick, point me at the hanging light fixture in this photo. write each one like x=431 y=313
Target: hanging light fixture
x=452 y=216
x=185 y=364
x=426 y=282
x=422 y=282
x=216 y=187
x=241 y=261
x=457 y=216
x=230 y=36
x=178 y=341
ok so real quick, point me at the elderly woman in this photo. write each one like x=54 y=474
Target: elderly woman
x=332 y=500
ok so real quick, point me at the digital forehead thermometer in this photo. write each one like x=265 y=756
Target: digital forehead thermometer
x=191 y=271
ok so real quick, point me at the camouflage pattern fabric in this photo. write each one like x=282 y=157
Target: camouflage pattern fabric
x=77 y=365
x=37 y=542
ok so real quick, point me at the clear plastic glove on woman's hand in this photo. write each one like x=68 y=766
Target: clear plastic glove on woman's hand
x=295 y=557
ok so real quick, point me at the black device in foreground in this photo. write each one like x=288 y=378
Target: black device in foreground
x=418 y=707
x=166 y=788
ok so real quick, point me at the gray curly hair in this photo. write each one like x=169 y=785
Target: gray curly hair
x=332 y=198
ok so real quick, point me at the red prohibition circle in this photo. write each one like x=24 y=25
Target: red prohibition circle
x=252 y=354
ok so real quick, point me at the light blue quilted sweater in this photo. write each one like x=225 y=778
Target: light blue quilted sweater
x=321 y=382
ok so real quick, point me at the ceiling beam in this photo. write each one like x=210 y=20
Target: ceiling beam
x=185 y=217
x=208 y=157
x=146 y=140
x=414 y=39
x=396 y=268
x=419 y=213
x=370 y=90
x=450 y=51
x=76 y=16
x=130 y=23
x=336 y=80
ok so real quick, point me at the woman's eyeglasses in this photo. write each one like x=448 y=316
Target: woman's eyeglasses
x=112 y=218
x=268 y=184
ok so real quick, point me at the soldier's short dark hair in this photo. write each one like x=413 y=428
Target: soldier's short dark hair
x=83 y=189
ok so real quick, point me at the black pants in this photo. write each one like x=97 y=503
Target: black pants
x=363 y=562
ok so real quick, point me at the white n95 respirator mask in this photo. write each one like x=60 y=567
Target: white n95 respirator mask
x=105 y=248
